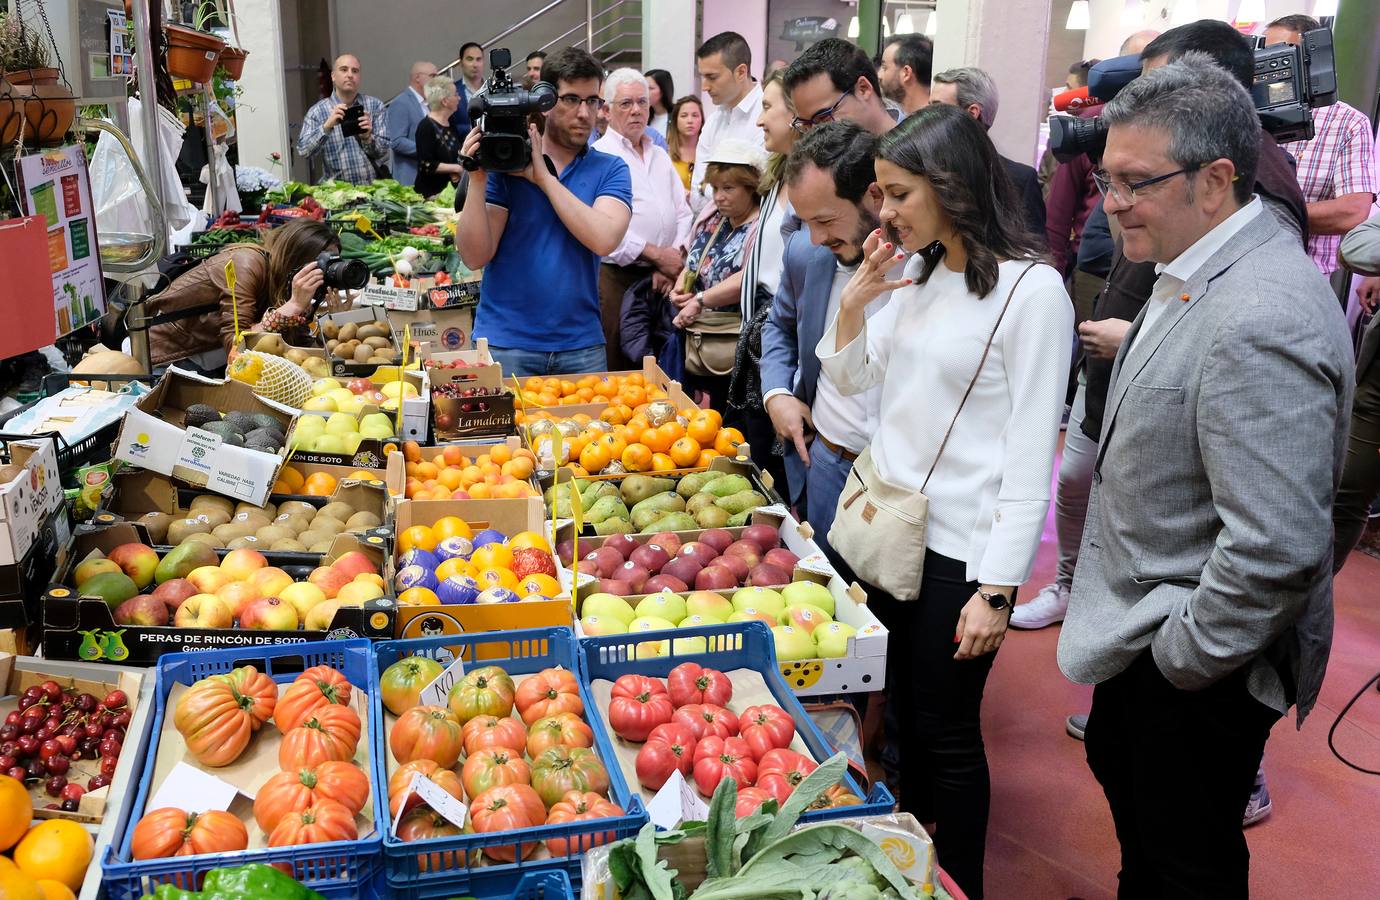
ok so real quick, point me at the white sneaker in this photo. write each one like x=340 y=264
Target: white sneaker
x=1048 y=607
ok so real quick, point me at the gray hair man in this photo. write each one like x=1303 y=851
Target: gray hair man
x=1202 y=602
x=659 y=231
x=973 y=90
x=405 y=111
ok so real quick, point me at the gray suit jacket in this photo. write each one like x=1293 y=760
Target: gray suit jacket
x=1209 y=530
x=404 y=112
x=1360 y=252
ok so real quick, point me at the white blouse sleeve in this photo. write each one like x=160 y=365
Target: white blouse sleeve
x=862 y=363
x=1035 y=348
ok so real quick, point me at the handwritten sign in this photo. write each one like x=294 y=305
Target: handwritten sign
x=675 y=803
x=433 y=795
x=438 y=692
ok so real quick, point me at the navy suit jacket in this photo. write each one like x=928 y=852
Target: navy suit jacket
x=404 y=112
x=460 y=119
x=793 y=329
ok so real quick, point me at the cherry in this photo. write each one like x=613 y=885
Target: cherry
x=67 y=742
x=46 y=732
x=115 y=700
x=54 y=785
x=36 y=769
x=18 y=773
x=122 y=719
x=96 y=782
x=14 y=718
x=73 y=791
x=108 y=764
x=51 y=689
x=9 y=732
x=8 y=762
x=58 y=765
x=93 y=729
x=86 y=702
x=49 y=749
x=70 y=805
x=28 y=744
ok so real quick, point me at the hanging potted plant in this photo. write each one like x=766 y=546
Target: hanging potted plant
x=11 y=98
x=233 y=56
x=192 y=51
x=36 y=86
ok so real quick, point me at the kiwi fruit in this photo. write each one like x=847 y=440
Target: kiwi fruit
x=272 y=534
x=231 y=530
x=255 y=519
x=362 y=521
x=180 y=530
x=330 y=330
x=214 y=501
x=331 y=345
x=321 y=546
x=372 y=329
x=213 y=516
x=288 y=545
x=295 y=355
x=311 y=537
x=199 y=414
x=328 y=524
x=208 y=539
x=379 y=343
x=296 y=507
x=298 y=523
x=267 y=509
x=337 y=509
x=157 y=524
x=362 y=353
x=248 y=540
x=382 y=360
x=347 y=332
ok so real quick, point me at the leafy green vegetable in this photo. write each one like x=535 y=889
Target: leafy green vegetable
x=718 y=838
x=817 y=782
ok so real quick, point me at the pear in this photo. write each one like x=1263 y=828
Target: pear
x=699 y=502
x=636 y=488
x=712 y=517
x=692 y=484
x=320 y=403
x=311 y=425
x=604 y=508
x=742 y=501
x=676 y=521
x=613 y=526
x=727 y=486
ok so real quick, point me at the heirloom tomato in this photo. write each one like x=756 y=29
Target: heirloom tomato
x=217 y=715
x=296 y=789
x=718 y=758
x=484 y=732
x=779 y=771
x=401 y=683
x=580 y=807
x=427 y=732
x=174 y=832
x=637 y=705
x=494 y=767
x=690 y=683
x=766 y=728
x=399 y=795
x=506 y=808
x=316 y=687
x=325 y=820
x=669 y=747
x=482 y=692
x=705 y=720
x=561 y=770
x=561 y=730
x=547 y=693
x=329 y=733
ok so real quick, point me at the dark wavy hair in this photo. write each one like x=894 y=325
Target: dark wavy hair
x=668 y=89
x=953 y=153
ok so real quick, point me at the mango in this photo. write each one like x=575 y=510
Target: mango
x=182 y=559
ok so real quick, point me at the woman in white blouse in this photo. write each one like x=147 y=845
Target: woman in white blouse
x=948 y=201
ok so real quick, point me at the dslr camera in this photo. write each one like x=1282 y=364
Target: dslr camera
x=340 y=274
x=501 y=110
x=1290 y=81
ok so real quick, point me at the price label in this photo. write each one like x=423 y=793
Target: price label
x=188 y=787
x=438 y=692
x=390 y=297
x=676 y=802
x=433 y=795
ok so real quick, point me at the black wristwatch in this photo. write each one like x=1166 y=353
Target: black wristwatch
x=995 y=600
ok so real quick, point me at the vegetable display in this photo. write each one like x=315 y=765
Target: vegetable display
x=175 y=832
x=239 y=883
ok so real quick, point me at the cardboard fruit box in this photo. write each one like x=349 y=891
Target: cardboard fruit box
x=19 y=673
x=153 y=436
x=443 y=316
x=396 y=466
x=650 y=371
x=30 y=489
x=507 y=516
x=302 y=356
x=23 y=583
x=84 y=628
x=475 y=366
x=360 y=316
x=410 y=424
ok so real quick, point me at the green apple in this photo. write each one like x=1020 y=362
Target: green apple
x=805 y=616
x=761 y=598
x=324 y=386
x=793 y=644
x=650 y=623
x=811 y=592
x=311 y=425
x=374 y=433
x=685 y=645
x=351 y=404
x=662 y=605
x=599 y=626
x=696 y=620
x=319 y=404
x=341 y=423
x=708 y=604
x=832 y=639
x=352 y=441
x=341 y=395
x=608 y=606
x=328 y=443
x=377 y=420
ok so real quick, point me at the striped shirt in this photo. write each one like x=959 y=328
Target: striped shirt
x=1338 y=161
x=355 y=159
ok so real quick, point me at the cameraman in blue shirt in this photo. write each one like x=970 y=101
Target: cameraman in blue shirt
x=539 y=234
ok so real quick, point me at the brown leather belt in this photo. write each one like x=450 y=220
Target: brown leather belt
x=847 y=455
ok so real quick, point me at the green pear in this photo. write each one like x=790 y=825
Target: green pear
x=693 y=483
x=727 y=486
x=614 y=526
x=741 y=502
x=636 y=488
x=676 y=521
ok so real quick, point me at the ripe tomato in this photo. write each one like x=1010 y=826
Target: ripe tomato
x=217 y=714
x=579 y=807
x=669 y=747
x=766 y=728
x=325 y=820
x=427 y=732
x=492 y=768
x=296 y=789
x=638 y=705
x=750 y=799
x=718 y=758
x=690 y=683
x=705 y=720
x=172 y=832
x=506 y=808
x=561 y=770
x=482 y=692
x=422 y=824
x=561 y=730
x=779 y=771
x=487 y=732
x=329 y=733
x=399 y=797
x=402 y=683
x=546 y=693
x=316 y=687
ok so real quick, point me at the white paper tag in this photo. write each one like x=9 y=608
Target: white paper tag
x=434 y=796
x=676 y=802
x=817 y=563
x=390 y=297
x=198 y=450
x=776 y=509
x=189 y=788
x=438 y=692
x=908 y=852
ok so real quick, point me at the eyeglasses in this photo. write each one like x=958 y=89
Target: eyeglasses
x=628 y=103
x=571 y=101
x=1124 y=192
x=824 y=115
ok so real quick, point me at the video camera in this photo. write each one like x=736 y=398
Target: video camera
x=501 y=110
x=1290 y=81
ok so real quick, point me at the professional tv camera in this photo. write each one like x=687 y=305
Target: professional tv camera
x=501 y=110
x=1290 y=81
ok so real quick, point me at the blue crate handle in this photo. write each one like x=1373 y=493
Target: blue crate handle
x=738 y=645
x=523 y=651
x=336 y=868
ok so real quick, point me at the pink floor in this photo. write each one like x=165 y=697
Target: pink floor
x=1051 y=835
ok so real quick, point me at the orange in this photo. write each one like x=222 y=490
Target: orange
x=55 y=890
x=320 y=484
x=707 y=456
x=419 y=596
x=633 y=395
x=567 y=388
x=577 y=470
x=685 y=452
x=363 y=475
x=662 y=463
x=615 y=444
x=451 y=526
x=727 y=442
x=652 y=437
x=16 y=811
x=670 y=433
x=634 y=378
x=412 y=451
x=637 y=458
x=281 y=487
x=496 y=577
x=704 y=427
x=595 y=456
x=455 y=566
x=552 y=386
x=293 y=477
x=416 y=536
x=492 y=556
x=15 y=885
x=524 y=539
x=539 y=584
x=56 y=849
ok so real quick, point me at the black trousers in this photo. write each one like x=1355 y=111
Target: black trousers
x=1361 y=473
x=1177 y=768
x=938 y=704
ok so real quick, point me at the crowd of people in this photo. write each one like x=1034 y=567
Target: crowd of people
x=836 y=256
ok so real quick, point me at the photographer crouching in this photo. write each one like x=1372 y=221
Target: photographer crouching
x=542 y=210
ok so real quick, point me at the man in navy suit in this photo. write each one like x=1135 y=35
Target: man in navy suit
x=405 y=111
x=834 y=192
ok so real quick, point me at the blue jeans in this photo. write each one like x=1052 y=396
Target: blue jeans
x=824 y=480
x=526 y=363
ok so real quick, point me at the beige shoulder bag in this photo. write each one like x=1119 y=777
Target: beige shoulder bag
x=879 y=528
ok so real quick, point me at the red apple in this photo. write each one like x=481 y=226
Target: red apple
x=701 y=553
x=735 y=564
x=607 y=559
x=359 y=385
x=718 y=538
x=764 y=536
x=330 y=579
x=269 y=614
x=138 y=562
x=624 y=544
x=781 y=558
x=633 y=574
x=565 y=551
x=767 y=575
x=203 y=611
x=355 y=563
x=173 y=592
x=650 y=556
x=668 y=540
x=142 y=610
x=715 y=578
x=616 y=586
x=588 y=566
x=749 y=552
x=665 y=583
x=682 y=568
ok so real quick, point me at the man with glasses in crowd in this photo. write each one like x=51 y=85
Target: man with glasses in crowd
x=724 y=63
x=539 y=234
x=835 y=80
x=660 y=227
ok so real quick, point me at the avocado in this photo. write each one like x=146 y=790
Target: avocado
x=264 y=420
x=271 y=436
x=243 y=422
x=226 y=431
x=198 y=414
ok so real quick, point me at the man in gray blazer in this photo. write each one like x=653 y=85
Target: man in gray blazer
x=832 y=186
x=1360 y=252
x=405 y=112
x=1202 y=603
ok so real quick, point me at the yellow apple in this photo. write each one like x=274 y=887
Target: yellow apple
x=319 y=403
x=324 y=386
x=304 y=596
x=356 y=592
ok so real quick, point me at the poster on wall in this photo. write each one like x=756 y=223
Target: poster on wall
x=54 y=184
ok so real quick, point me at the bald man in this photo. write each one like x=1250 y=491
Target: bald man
x=1136 y=42
x=405 y=111
x=348 y=130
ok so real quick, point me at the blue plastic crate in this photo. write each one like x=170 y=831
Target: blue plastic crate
x=552 y=883
x=741 y=645
x=338 y=869
x=453 y=863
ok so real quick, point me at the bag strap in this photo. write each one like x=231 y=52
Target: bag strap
x=985 y=351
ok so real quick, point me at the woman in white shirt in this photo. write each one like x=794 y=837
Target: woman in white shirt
x=948 y=201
